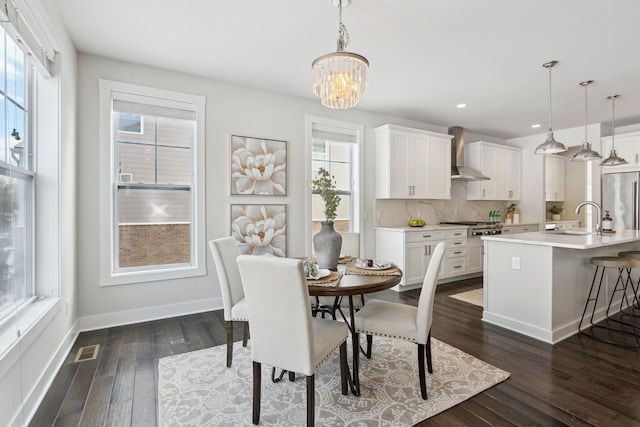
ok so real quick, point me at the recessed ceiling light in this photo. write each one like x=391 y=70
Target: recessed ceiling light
x=461 y=105
x=535 y=126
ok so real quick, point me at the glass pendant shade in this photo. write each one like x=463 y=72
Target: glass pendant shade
x=550 y=146
x=586 y=153
x=613 y=159
x=340 y=78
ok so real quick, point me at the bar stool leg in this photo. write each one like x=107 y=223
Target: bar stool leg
x=594 y=299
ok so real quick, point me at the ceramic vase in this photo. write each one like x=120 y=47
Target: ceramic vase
x=555 y=217
x=327 y=244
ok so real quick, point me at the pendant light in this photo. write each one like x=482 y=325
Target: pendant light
x=340 y=78
x=550 y=146
x=613 y=159
x=586 y=153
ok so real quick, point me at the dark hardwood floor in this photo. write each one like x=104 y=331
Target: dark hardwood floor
x=577 y=382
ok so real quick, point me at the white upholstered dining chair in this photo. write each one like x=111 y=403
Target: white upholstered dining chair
x=287 y=339
x=225 y=251
x=394 y=320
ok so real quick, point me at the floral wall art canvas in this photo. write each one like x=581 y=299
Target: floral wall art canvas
x=258 y=166
x=260 y=229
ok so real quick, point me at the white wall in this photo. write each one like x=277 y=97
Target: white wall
x=230 y=109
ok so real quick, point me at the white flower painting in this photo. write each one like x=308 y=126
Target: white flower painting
x=260 y=229
x=258 y=166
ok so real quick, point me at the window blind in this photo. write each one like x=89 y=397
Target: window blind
x=21 y=23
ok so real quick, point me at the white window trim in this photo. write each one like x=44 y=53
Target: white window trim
x=107 y=166
x=357 y=203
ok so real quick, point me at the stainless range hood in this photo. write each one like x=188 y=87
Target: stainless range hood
x=458 y=170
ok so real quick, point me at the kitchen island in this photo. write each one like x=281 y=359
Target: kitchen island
x=537 y=283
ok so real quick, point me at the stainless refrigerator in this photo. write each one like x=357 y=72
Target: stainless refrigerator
x=620 y=195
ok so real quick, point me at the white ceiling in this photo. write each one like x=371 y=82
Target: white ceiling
x=426 y=56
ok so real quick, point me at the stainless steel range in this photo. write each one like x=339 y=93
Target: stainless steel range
x=477 y=229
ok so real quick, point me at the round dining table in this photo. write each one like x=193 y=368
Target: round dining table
x=348 y=286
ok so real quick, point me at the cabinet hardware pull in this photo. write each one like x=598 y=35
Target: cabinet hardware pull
x=457 y=234
x=458 y=252
x=457 y=243
x=428 y=249
x=426 y=235
x=457 y=266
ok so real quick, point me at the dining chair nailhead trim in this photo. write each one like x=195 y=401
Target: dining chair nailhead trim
x=387 y=335
x=330 y=353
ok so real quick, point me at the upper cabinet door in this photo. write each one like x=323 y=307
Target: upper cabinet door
x=503 y=166
x=440 y=170
x=401 y=148
x=412 y=164
x=554 y=175
x=419 y=164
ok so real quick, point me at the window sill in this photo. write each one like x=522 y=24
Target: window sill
x=30 y=321
x=130 y=278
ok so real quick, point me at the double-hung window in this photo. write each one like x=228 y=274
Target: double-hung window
x=335 y=147
x=16 y=178
x=154 y=155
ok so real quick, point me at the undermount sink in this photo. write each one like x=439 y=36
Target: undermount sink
x=578 y=231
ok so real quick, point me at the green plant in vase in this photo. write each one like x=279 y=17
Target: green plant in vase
x=325 y=185
x=555 y=212
x=327 y=243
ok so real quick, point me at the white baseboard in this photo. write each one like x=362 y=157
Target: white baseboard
x=34 y=399
x=108 y=320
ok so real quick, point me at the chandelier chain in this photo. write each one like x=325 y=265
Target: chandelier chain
x=343 y=34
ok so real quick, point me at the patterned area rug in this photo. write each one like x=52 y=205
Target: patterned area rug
x=475 y=297
x=197 y=389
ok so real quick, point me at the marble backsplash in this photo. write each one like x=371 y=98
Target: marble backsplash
x=395 y=212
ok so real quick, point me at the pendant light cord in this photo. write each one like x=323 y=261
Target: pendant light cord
x=585 y=111
x=550 y=127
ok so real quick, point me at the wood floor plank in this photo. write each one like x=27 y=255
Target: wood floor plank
x=119 y=414
x=125 y=374
x=95 y=410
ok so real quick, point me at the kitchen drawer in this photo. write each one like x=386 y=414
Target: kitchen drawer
x=455 y=234
x=454 y=266
x=455 y=252
x=423 y=236
x=457 y=243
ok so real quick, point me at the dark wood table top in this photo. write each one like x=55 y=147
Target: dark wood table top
x=355 y=284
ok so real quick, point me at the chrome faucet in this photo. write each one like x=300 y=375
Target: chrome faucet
x=598 y=212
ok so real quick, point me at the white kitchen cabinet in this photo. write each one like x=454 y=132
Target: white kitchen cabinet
x=554 y=177
x=627 y=146
x=412 y=251
x=475 y=255
x=412 y=164
x=503 y=166
x=519 y=228
x=562 y=225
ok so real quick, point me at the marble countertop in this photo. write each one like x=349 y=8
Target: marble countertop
x=559 y=239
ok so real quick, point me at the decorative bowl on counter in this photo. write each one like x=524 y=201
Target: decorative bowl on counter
x=416 y=223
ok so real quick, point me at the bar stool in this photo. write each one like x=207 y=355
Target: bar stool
x=636 y=289
x=623 y=264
